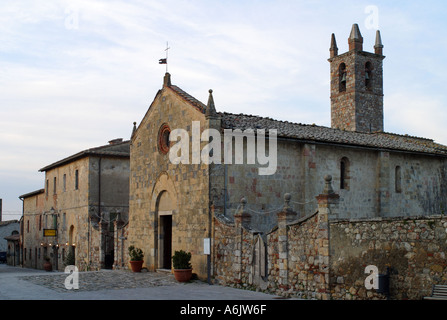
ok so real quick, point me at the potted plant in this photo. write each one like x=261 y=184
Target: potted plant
x=70 y=258
x=182 y=266
x=47 y=266
x=136 y=258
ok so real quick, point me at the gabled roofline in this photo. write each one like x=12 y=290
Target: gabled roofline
x=97 y=151
x=195 y=103
x=30 y=194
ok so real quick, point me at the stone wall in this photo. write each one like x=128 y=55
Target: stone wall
x=315 y=257
x=121 y=255
x=414 y=249
x=291 y=259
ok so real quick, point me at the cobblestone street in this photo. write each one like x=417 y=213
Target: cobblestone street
x=21 y=283
x=104 y=279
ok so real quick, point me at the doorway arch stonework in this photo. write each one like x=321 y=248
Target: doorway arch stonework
x=164 y=207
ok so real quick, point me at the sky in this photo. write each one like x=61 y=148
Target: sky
x=76 y=74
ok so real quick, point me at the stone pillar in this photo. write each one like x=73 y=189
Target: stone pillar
x=241 y=220
x=284 y=217
x=328 y=203
x=102 y=243
x=115 y=244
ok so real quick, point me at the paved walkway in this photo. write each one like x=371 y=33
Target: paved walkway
x=21 y=283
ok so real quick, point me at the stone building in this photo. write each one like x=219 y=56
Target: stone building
x=84 y=200
x=9 y=231
x=376 y=174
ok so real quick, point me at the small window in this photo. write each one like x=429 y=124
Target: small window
x=398 y=179
x=342 y=77
x=76 y=179
x=64 y=182
x=46 y=188
x=54 y=186
x=368 y=75
x=344 y=173
x=163 y=138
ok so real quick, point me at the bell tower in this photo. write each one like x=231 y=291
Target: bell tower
x=357 y=85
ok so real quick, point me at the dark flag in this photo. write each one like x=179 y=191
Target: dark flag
x=163 y=61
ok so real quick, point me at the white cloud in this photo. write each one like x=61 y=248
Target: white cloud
x=66 y=89
x=417 y=115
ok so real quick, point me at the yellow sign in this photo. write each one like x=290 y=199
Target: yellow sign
x=49 y=232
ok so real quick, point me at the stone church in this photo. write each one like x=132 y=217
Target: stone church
x=375 y=173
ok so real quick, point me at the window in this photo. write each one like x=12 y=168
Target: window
x=344 y=173
x=64 y=182
x=27 y=226
x=46 y=188
x=40 y=222
x=76 y=179
x=163 y=138
x=54 y=185
x=368 y=75
x=342 y=77
x=398 y=179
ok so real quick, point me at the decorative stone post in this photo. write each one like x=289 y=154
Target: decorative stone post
x=328 y=203
x=102 y=242
x=241 y=220
x=284 y=217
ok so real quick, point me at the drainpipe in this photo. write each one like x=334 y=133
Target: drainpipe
x=20 y=253
x=225 y=190
x=208 y=257
x=101 y=258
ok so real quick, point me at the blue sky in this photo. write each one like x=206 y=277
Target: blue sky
x=76 y=74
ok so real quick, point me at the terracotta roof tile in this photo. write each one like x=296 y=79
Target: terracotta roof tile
x=316 y=133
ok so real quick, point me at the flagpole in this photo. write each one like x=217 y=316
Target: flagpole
x=167 y=48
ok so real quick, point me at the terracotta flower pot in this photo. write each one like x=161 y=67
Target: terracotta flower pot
x=47 y=266
x=182 y=275
x=136 y=265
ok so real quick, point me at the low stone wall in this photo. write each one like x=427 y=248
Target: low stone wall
x=291 y=259
x=318 y=258
x=413 y=249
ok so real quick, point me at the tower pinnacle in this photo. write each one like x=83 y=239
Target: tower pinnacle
x=378 y=47
x=333 y=49
x=355 y=39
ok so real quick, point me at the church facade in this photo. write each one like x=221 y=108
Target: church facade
x=376 y=175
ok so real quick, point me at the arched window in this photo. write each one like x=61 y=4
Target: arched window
x=342 y=77
x=368 y=75
x=344 y=173
x=398 y=179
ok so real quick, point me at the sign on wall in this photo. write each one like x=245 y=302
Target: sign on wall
x=49 y=232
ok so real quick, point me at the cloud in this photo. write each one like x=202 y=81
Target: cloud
x=417 y=115
x=77 y=74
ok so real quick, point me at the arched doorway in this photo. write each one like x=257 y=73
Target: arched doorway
x=164 y=212
x=164 y=208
